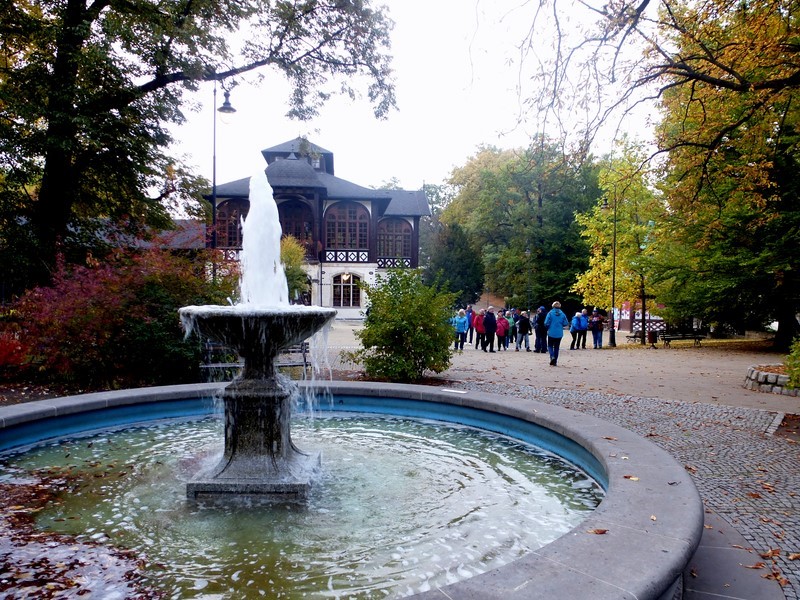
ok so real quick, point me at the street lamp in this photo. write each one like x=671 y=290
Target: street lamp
x=226 y=108
x=528 y=269
x=612 y=333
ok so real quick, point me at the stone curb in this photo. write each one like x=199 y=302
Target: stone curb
x=635 y=545
x=772 y=383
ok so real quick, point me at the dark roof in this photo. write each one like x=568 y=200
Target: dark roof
x=286 y=170
x=295 y=146
x=401 y=202
x=408 y=203
x=189 y=234
x=292 y=172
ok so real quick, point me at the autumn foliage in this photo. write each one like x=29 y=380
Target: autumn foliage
x=115 y=324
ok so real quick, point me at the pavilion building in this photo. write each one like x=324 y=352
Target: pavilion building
x=350 y=233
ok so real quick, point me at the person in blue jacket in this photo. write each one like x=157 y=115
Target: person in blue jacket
x=461 y=325
x=555 y=321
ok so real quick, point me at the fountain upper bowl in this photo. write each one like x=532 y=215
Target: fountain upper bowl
x=272 y=327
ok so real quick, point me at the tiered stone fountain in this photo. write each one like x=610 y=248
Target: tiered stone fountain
x=260 y=461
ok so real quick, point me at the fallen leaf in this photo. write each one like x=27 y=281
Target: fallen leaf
x=793 y=556
x=608 y=437
x=598 y=531
x=772 y=553
x=753 y=495
x=758 y=565
x=776 y=576
x=631 y=477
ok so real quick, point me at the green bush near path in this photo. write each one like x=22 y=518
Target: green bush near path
x=793 y=364
x=407 y=330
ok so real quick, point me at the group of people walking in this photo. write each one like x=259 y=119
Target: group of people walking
x=582 y=323
x=513 y=326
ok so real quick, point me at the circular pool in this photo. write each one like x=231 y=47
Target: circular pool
x=635 y=544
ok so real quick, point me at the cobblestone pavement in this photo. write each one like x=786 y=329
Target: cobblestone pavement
x=743 y=473
x=688 y=400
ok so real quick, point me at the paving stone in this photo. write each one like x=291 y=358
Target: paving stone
x=747 y=476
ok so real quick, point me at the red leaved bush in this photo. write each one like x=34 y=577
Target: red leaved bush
x=116 y=324
x=12 y=352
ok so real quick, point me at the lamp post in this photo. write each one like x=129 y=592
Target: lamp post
x=612 y=333
x=226 y=108
x=528 y=269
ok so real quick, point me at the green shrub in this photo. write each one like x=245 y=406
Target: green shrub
x=407 y=330
x=793 y=364
x=116 y=324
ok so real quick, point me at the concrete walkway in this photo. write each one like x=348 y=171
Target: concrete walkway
x=690 y=401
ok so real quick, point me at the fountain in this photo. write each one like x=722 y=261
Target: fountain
x=260 y=461
x=635 y=544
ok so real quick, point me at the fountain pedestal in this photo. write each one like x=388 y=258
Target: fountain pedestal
x=260 y=460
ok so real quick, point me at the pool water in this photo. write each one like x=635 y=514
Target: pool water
x=399 y=506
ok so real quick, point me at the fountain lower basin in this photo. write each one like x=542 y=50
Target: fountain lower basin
x=260 y=460
x=652 y=521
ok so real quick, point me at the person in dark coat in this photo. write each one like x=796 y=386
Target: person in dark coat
x=523 y=331
x=540 y=345
x=490 y=326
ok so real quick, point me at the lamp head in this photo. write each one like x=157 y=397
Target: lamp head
x=226 y=107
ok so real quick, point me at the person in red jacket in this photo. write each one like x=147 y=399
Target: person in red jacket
x=480 y=332
x=502 y=330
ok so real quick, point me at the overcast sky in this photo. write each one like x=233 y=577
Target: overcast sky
x=457 y=77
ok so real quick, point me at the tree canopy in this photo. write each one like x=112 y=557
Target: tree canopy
x=518 y=208
x=720 y=79
x=621 y=232
x=87 y=87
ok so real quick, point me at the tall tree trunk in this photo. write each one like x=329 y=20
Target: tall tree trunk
x=58 y=192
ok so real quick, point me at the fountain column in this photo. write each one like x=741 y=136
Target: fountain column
x=260 y=459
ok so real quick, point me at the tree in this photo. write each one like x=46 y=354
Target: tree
x=439 y=196
x=727 y=79
x=628 y=53
x=728 y=247
x=454 y=262
x=86 y=89
x=620 y=231
x=407 y=330
x=518 y=208
x=293 y=256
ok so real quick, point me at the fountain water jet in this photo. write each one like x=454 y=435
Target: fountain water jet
x=260 y=461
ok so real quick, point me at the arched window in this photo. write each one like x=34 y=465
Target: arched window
x=394 y=238
x=297 y=220
x=347 y=227
x=346 y=292
x=229 y=223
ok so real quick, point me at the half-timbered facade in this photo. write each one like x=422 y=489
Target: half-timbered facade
x=350 y=233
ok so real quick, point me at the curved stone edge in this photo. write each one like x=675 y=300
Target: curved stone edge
x=770 y=383
x=652 y=514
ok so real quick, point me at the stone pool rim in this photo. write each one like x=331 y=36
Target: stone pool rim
x=651 y=516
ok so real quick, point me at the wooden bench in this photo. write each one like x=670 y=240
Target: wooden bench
x=634 y=338
x=666 y=338
x=293 y=356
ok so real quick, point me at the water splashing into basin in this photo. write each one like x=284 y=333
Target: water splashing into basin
x=260 y=460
